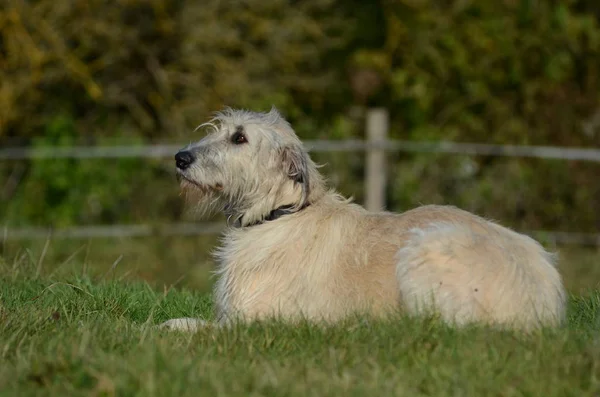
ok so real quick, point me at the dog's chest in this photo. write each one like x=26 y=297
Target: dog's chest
x=273 y=279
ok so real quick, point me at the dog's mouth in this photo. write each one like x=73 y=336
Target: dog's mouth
x=185 y=182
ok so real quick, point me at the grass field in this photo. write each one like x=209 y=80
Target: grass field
x=72 y=335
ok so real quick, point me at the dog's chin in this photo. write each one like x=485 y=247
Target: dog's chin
x=189 y=184
x=200 y=199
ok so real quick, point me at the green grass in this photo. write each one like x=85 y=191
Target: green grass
x=75 y=335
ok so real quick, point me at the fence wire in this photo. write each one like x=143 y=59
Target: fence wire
x=212 y=228
x=164 y=151
x=196 y=229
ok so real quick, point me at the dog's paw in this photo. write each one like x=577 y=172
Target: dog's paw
x=183 y=324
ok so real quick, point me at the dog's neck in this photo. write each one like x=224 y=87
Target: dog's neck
x=288 y=199
x=256 y=216
x=278 y=213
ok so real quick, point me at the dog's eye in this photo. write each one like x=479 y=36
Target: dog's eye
x=238 y=138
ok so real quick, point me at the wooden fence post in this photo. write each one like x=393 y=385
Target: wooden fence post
x=375 y=175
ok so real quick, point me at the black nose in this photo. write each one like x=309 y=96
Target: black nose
x=184 y=159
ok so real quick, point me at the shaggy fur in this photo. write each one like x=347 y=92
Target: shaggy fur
x=334 y=258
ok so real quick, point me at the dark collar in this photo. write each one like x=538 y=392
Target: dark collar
x=278 y=213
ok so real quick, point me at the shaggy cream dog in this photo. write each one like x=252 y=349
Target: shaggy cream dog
x=298 y=250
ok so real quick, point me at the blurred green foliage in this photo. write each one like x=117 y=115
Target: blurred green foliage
x=521 y=72
x=129 y=71
x=64 y=191
x=157 y=67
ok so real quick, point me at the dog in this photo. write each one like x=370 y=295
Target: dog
x=295 y=249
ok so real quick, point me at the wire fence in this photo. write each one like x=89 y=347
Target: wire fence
x=212 y=228
x=205 y=228
x=114 y=231
x=164 y=151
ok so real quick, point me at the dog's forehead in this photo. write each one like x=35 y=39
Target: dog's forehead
x=229 y=119
x=279 y=132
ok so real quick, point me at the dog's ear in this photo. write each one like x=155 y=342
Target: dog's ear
x=295 y=164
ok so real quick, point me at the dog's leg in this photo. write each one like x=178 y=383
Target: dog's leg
x=185 y=324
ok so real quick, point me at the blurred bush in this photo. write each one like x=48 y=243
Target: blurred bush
x=510 y=71
x=516 y=72
x=520 y=72
x=65 y=191
x=157 y=67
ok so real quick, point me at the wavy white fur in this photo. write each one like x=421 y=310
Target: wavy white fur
x=334 y=258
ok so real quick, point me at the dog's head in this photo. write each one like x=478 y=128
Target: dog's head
x=249 y=164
